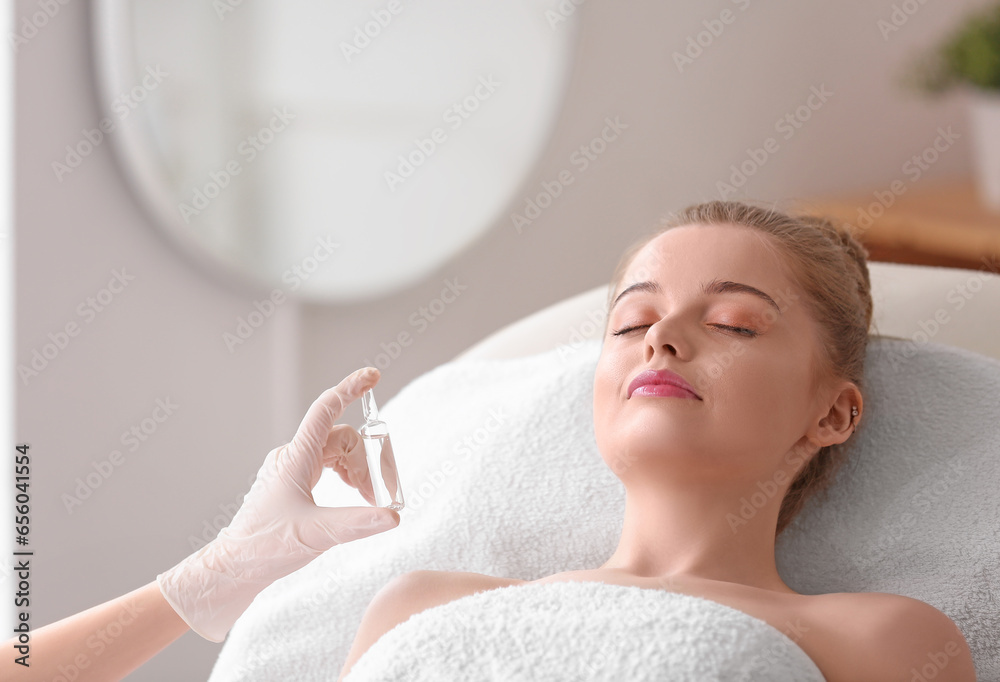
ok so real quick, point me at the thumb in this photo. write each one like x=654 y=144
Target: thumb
x=336 y=525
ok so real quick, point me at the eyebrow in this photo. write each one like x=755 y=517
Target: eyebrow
x=716 y=286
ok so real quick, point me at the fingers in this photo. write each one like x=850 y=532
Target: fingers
x=327 y=408
x=343 y=438
x=337 y=525
x=345 y=453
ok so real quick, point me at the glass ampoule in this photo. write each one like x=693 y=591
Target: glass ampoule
x=381 y=461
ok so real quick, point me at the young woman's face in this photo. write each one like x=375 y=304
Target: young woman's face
x=751 y=361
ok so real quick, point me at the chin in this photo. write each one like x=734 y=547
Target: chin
x=649 y=450
x=661 y=442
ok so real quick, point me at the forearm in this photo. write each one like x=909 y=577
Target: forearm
x=105 y=642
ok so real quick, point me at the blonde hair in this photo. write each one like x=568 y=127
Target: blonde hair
x=831 y=267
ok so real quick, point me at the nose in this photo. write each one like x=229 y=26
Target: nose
x=664 y=337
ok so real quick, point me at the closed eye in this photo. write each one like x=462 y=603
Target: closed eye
x=626 y=330
x=739 y=330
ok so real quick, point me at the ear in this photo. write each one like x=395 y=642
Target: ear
x=837 y=424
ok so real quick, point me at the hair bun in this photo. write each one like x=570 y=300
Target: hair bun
x=854 y=247
x=857 y=252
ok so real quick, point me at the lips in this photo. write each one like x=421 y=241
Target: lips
x=662 y=377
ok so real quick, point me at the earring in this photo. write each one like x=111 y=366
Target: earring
x=854 y=413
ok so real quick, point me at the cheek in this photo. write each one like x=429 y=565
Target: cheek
x=609 y=381
x=612 y=368
x=763 y=390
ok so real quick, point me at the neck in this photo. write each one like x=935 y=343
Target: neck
x=687 y=531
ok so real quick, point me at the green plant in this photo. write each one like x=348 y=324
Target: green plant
x=970 y=55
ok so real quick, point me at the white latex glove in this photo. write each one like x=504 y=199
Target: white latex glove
x=279 y=528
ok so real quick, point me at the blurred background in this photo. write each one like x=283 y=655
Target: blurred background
x=221 y=209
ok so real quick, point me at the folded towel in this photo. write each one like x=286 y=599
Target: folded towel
x=577 y=631
x=501 y=475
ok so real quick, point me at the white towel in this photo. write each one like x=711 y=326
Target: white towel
x=573 y=631
x=501 y=475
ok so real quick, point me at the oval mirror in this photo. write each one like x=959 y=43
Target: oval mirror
x=338 y=151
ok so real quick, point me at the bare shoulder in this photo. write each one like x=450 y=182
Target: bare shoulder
x=415 y=591
x=893 y=637
x=410 y=593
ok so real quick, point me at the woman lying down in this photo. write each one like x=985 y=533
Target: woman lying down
x=788 y=299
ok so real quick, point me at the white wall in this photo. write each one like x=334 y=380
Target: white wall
x=162 y=336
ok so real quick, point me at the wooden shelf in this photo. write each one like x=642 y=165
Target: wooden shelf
x=928 y=223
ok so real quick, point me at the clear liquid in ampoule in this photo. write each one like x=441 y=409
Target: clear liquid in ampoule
x=382 y=467
x=381 y=460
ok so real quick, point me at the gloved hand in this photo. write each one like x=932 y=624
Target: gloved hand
x=279 y=528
